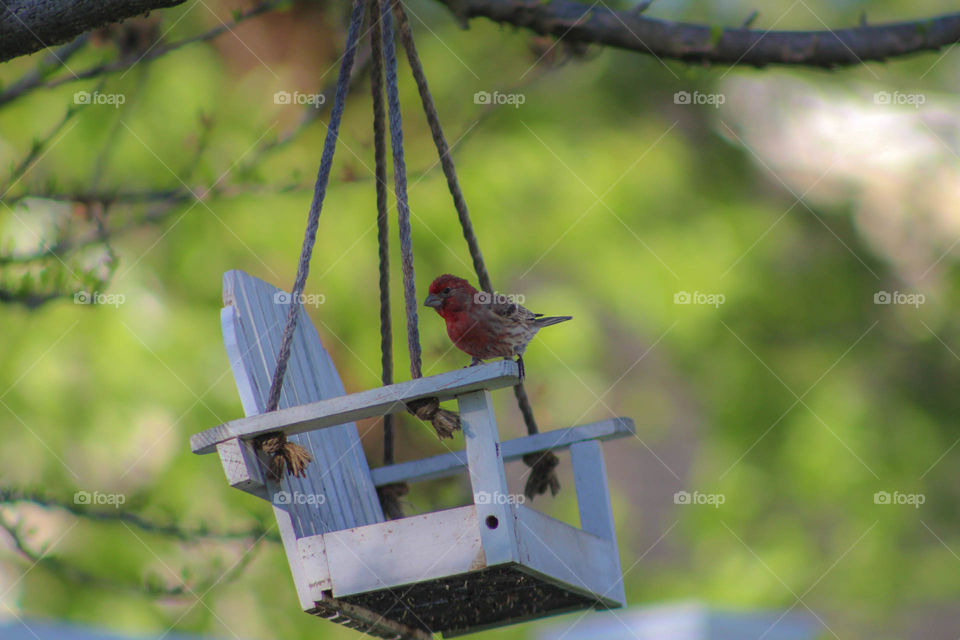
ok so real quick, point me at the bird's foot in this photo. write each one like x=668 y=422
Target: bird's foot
x=475 y=362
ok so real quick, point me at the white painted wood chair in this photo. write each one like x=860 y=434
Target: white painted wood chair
x=454 y=571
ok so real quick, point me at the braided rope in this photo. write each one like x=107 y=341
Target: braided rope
x=542 y=464
x=383 y=230
x=400 y=188
x=285 y=454
x=389 y=495
x=428 y=409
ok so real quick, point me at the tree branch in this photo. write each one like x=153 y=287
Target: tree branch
x=34 y=81
x=30 y=25
x=581 y=23
x=53 y=62
x=256 y=531
x=150 y=585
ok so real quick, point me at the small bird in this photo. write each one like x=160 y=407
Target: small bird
x=485 y=325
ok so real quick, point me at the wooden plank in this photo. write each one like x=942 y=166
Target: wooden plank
x=399 y=552
x=593 y=501
x=568 y=556
x=593 y=495
x=288 y=525
x=448 y=464
x=252 y=324
x=240 y=461
x=313 y=556
x=365 y=404
x=487 y=479
x=240 y=465
x=338 y=491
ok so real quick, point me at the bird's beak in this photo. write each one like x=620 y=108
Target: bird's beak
x=433 y=300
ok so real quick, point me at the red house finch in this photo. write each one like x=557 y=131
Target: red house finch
x=482 y=324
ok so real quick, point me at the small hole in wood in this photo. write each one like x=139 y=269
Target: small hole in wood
x=492 y=522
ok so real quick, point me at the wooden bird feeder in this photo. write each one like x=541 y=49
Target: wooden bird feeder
x=455 y=571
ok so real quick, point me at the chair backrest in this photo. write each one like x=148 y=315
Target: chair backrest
x=337 y=492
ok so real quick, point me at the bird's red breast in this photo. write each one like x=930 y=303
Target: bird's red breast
x=480 y=325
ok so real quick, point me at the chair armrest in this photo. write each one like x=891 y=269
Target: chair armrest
x=355 y=406
x=448 y=464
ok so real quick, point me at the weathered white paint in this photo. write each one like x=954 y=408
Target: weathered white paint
x=381 y=401
x=487 y=478
x=313 y=559
x=400 y=552
x=593 y=496
x=569 y=557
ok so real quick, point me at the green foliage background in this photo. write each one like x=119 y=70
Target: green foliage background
x=598 y=197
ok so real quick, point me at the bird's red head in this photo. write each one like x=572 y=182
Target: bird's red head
x=450 y=294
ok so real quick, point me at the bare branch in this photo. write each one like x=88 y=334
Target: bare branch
x=31 y=25
x=151 y=585
x=581 y=23
x=29 y=299
x=170 y=530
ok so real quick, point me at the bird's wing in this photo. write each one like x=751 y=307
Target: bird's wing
x=512 y=312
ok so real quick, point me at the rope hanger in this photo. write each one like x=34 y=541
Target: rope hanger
x=291 y=457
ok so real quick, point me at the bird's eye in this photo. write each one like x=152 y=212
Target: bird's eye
x=446 y=290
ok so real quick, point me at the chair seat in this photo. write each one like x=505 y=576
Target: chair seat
x=474 y=601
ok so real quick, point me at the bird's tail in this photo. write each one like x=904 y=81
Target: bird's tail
x=546 y=322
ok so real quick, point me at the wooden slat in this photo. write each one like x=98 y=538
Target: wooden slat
x=593 y=494
x=573 y=558
x=593 y=501
x=313 y=557
x=487 y=478
x=239 y=460
x=448 y=464
x=338 y=490
x=401 y=552
x=365 y=404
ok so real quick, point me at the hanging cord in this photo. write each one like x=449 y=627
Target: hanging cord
x=542 y=464
x=286 y=455
x=444 y=422
x=389 y=495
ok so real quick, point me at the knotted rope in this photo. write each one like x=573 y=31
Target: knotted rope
x=428 y=409
x=543 y=464
x=389 y=495
x=285 y=455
